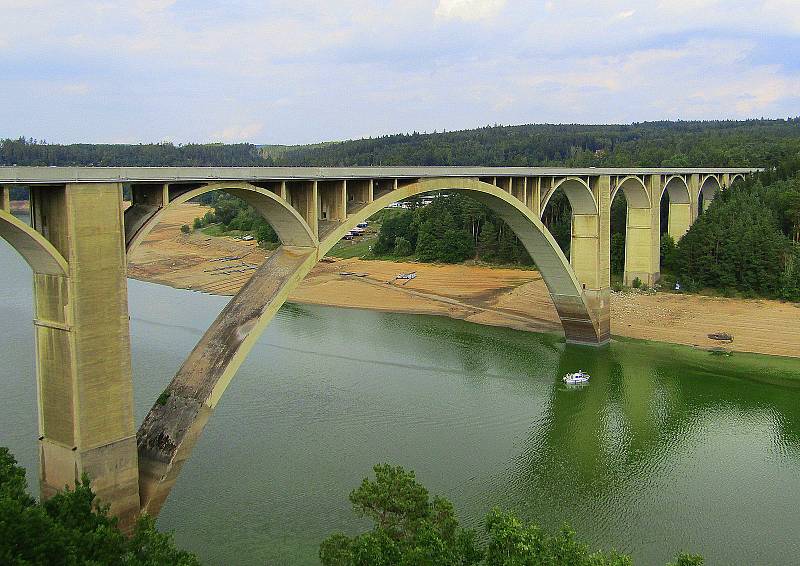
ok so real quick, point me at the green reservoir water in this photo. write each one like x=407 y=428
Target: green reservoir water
x=667 y=449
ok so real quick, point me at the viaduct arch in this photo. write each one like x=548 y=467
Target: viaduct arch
x=170 y=431
x=81 y=237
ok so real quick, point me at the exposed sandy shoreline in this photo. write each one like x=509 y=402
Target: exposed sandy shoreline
x=500 y=297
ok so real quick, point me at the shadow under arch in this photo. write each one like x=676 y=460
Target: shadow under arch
x=37 y=251
x=174 y=424
x=291 y=228
x=634 y=190
x=637 y=262
x=709 y=187
x=580 y=195
x=679 y=216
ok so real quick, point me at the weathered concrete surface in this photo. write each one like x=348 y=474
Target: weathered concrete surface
x=170 y=430
x=40 y=254
x=83 y=347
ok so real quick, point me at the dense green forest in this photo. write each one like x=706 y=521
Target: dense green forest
x=711 y=143
x=748 y=241
x=651 y=144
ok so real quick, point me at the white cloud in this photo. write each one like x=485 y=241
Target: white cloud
x=238 y=133
x=468 y=10
x=272 y=71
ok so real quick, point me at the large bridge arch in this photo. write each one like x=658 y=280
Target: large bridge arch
x=37 y=251
x=291 y=228
x=172 y=427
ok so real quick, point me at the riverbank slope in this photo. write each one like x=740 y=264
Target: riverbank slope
x=500 y=297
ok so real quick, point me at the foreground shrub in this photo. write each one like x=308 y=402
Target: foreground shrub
x=71 y=528
x=411 y=529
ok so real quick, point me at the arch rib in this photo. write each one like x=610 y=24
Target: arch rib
x=635 y=192
x=291 y=228
x=170 y=430
x=580 y=195
x=40 y=254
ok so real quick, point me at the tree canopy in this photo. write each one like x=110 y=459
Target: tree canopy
x=412 y=529
x=70 y=529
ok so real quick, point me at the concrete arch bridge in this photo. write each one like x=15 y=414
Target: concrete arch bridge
x=81 y=236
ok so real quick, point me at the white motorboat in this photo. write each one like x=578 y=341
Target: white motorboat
x=577 y=378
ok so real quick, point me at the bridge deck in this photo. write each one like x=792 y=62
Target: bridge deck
x=60 y=175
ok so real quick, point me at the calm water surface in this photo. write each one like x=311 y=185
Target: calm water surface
x=667 y=449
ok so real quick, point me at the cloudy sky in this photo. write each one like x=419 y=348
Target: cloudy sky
x=303 y=71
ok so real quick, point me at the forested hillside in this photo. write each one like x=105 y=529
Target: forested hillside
x=717 y=143
x=748 y=241
x=684 y=144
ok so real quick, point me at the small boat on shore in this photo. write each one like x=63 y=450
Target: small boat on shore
x=577 y=378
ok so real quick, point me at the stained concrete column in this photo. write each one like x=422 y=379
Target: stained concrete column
x=5 y=198
x=303 y=198
x=642 y=238
x=83 y=364
x=693 y=182
x=341 y=195
x=590 y=250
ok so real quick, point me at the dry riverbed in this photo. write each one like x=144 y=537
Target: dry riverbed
x=500 y=297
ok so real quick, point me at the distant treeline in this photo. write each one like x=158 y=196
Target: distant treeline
x=34 y=152
x=651 y=144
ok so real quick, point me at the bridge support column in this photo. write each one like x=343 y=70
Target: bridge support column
x=86 y=415
x=303 y=198
x=642 y=242
x=683 y=214
x=146 y=201
x=5 y=198
x=590 y=257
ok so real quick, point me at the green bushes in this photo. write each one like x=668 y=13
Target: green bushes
x=233 y=214
x=410 y=528
x=402 y=247
x=70 y=528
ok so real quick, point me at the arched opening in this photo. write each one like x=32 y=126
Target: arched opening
x=708 y=191
x=208 y=239
x=267 y=202
x=632 y=244
x=568 y=212
x=675 y=218
x=676 y=210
